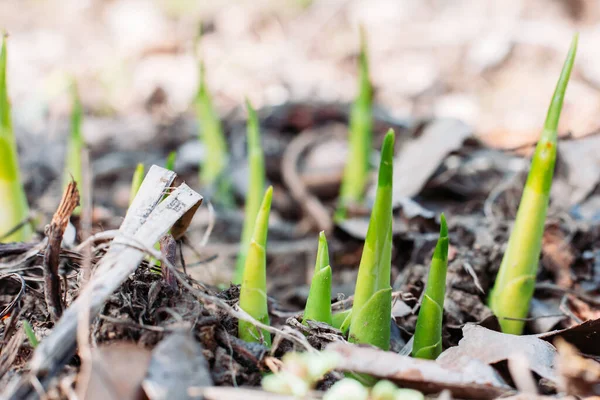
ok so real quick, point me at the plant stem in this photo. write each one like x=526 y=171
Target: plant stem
x=428 y=332
x=256 y=184
x=515 y=282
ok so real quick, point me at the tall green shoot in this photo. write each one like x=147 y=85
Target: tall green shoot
x=253 y=293
x=14 y=210
x=515 y=282
x=256 y=184
x=212 y=170
x=372 y=308
x=428 y=332
x=73 y=163
x=318 y=304
x=356 y=173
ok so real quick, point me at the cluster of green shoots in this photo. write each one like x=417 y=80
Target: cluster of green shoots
x=14 y=209
x=368 y=322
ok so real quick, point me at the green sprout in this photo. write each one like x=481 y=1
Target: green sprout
x=33 y=340
x=170 y=163
x=253 y=293
x=318 y=304
x=338 y=318
x=515 y=282
x=256 y=184
x=211 y=134
x=357 y=168
x=14 y=210
x=428 y=332
x=371 y=311
x=136 y=182
x=73 y=168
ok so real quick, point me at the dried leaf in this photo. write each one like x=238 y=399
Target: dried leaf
x=577 y=376
x=491 y=347
x=472 y=379
x=116 y=373
x=422 y=156
x=585 y=336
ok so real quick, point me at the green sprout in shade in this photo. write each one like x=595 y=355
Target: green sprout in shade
x=372 y=308
x=428 y=332
x=211 y=133
x=515 y=283
x=73 y=169
x=357 y=168
x=33 y=340
x=338 y=318
x=14 y=210
x=256 y=184
x=253 y=293
x=136 y=182
x=318 y=305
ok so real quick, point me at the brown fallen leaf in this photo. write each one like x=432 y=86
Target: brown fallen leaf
x=558 y=255
x=472 y=379
x=577 y=376
x=116 y=373
x=491 y=347
x=585 y=336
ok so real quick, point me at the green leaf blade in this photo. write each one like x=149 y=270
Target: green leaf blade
x=375 y=264
x=14 y=209
x=256 y=186
x=515 y=282
x=428 y=331
x=253 y=293
x=356 y=172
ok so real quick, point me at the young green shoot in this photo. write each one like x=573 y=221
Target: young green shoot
x=428 y=332
x=14 y=210
x=73 y=164
x=515 y=282
x=356 y=173
x=212 y=170
x=371 y=311
x=33 y=340
x=318 y=304
x=253 y=293
x=256 y=184
x=136 y=181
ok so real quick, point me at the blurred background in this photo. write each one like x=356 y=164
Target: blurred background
x=492 y=65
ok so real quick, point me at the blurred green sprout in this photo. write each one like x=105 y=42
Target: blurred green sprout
x=253 y=292
x=356 y=173
x=515 y=282
x=14 y=210
x=428 y=332
x=73 y=163
x=256 y=184
x=33 y=340
x=136 y=182
x=213 y=168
